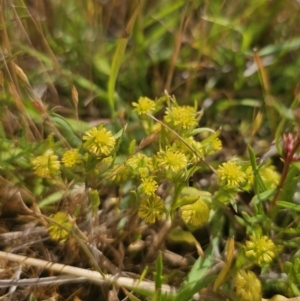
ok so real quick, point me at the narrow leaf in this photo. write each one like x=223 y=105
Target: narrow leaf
x=288 y=205
x=118 y=58
x=51 y=199
x=264 y=196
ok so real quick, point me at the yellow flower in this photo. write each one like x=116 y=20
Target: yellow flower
x=182 y=117
x=148 y=186
x=143 y=172
x=194 y=153
x=270 y=176
x=172 y=160
x=104 y=164
x=151 y=209
x=71 y=157
x=260 y=250
x=195 y=214
x=139 y=162
x=247 y=286
x=198 y=148
x=99 y=141
x=120 y=173
x=55 y=231
x=211 y=146
x=216 y=144
x=230 y=174
x=145 y=105
x=46 y=165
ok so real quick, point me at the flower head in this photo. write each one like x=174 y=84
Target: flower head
x=151 y=209
x=121 y=173
x=195 y=214
x=216 y=144
x=230 y=174
x=99 y=141
x=210 y=146
x=46 y=165
x=194 y=153
x=71 y=157
x=140 y=164
x=260 y=250
x=247 y=286
x=172 y=160
x=182 y=117
x=148 y=186
x=57 y=232
x=270 y=176
x=144 y=106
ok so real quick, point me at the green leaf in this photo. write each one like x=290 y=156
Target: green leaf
x=253 y=219
x=94 y=200
x=51 y=199
x=264 y=196
x=158 y=279
x=295 y=289
x=259 y=184
x=118 y=58
x=164 y=11
x=185 y=200
x=32 y=298
x=288 y=205
x=132 y=147
x=197 y=278
x=65 y=128
x=158 y=275
x=121 y=132
x=228 y=103
x=284 y=112
x=290 y=184
x=194 y=191
x=201 y=130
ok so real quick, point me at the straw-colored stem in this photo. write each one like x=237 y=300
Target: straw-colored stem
x=93 y=276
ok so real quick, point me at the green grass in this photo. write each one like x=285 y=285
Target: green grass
x=67 y=66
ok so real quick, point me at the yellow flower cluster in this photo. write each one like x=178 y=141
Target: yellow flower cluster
x=46 y=165
x=144 y=105
x=270 y=176
x=151 y=209
x=182 y=117
x=247 y=286
x=211 y=146
x=260 y=250
x=148 y=186
x=140 y=164
x=172 y=160
x=195 y=214
x=120 y=173
x=57 y=229
x=99 y=141
x=231 y=175
x=71 y=157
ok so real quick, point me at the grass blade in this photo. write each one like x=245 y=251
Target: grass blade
x=118 y=58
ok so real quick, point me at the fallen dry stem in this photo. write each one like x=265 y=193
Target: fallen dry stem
x=93 y=276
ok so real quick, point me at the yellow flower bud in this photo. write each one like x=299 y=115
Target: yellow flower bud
x=195 y=214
